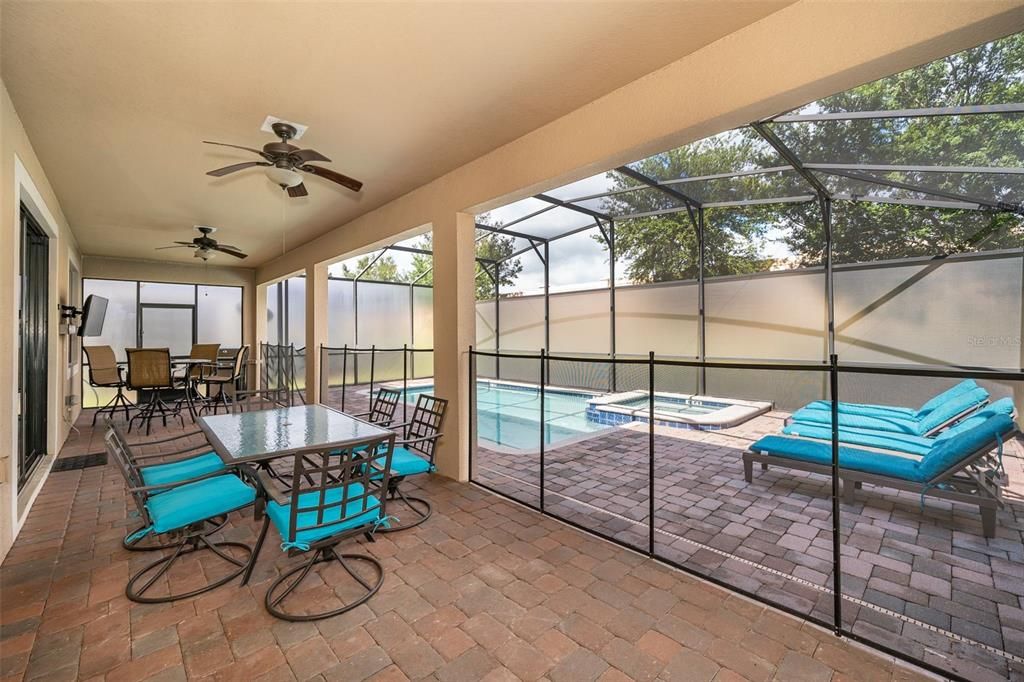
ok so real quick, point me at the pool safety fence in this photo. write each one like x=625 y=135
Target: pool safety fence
x=282 y=373
x=881 y=562
x=361 y=370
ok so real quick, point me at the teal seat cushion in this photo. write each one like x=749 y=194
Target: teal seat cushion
x=884 y=411
x=359 y=511
x=1001 y=406
x=407 y=463
x=953 y=408
x=194 y=502
x=963 y=387
x=183 y=470
x=815 y=452
x=887 y=424
x=900 y=442
x=951 y=452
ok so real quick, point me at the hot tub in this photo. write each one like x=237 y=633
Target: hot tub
x=675 y=410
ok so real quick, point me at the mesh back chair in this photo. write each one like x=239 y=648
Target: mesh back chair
x=167 y=461
x=414 y=455
x=105 y=373
x=150 y=369
x=382 y=407
x=194 y=374
x=226 y=377
x=181 y=512
x=333 y=499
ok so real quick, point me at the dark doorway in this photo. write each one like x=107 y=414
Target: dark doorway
x=33 y=318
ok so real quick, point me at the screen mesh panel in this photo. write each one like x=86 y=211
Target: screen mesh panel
x=660 y=318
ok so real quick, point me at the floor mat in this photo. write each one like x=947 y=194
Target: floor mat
x=96 y=459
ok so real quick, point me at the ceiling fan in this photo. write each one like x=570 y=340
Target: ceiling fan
x=285 y=163
x=205 y=245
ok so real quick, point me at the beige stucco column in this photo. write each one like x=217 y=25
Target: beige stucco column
x=316 y=327
x=259 y=336
x=454 y=331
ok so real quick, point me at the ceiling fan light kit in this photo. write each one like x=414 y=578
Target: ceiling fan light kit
x=206 y=246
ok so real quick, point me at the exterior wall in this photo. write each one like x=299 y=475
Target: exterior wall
x=808 y=50
x=22 y=180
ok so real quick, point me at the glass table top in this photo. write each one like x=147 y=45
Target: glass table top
x=270 y=433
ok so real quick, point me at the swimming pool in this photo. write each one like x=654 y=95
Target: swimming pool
x=508 y=414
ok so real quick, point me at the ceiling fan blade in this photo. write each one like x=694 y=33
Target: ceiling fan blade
x=236 y=254
x=307 y=155
x=228 y=247
x=333 y=176
x=298 y=190
x=236 y=167
x=188 y=244
x=161 y=248
x=235 y=146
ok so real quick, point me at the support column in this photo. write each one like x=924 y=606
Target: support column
x=454 y=331
x=316 y=327
x=259 y=335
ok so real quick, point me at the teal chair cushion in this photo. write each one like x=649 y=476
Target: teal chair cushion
x=896 y=411
x=404 y=462
x=964 y=386
x=173 y=472
x=858 y=421
x=354 y=515
x=900 y=442
x=952 y=408
x=194 y=502
x=952 y=451
x=904 y=468
x=1001 y=406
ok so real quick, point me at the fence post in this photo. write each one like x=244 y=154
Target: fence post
x=373 y=362
x=325 y=374
x=650 y=453
x=543 y=425
x=837 y=584
x=344 y=374
x=472 y=409
x=405 y=381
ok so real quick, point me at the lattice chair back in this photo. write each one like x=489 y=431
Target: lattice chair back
x=119 y=450
x=384 y=405
x=427 y=420
x=149 y=368
x=333 y=496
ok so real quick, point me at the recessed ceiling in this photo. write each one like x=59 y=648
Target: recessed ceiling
x=117 y=97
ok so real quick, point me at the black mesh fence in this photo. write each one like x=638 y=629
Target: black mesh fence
x=885 y=503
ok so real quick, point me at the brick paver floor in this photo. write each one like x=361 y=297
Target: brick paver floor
x=485 y=590
x=921 y=580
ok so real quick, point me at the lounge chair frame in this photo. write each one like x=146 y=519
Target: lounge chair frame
x=969 y=481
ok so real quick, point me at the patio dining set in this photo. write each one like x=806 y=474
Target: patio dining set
x=318 y=476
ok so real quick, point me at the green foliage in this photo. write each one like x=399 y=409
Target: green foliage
x=664 y=247
x=383 y=270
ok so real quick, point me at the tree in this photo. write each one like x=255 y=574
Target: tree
x=665 y=247
x=383 y=270
x=490 y=247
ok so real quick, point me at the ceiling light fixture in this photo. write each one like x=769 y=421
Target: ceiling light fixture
x=283 y=177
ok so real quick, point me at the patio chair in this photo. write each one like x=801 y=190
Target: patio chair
x=331 y=500
x=173 y=467
x=150 y=369
x=104 y=372
x=896 y=410
x=898 y=442
x=181 y=512
x=946 y=412
x=224 y=378
x=195 y=374
x=966 y=467
x=382 y=408
x=414 y=455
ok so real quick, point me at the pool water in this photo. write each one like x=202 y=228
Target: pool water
x=672 y=406
x=510 y=415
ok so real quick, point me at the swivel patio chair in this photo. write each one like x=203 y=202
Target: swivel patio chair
x=414 y=455
x=224 y=378
x=195 y=374
x=150 y=369
x=173 y=466
x=382 y=407
x=180 y=511
x=104 y=372
x=332 y=500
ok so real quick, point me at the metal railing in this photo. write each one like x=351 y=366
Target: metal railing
x=366 y=366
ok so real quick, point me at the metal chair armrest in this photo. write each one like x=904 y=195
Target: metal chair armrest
x=178 y=484
x=166 y=440
x=270 y=489
x=419 y=439
x=173 y=456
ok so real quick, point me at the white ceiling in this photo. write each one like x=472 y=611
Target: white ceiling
x=117 y=96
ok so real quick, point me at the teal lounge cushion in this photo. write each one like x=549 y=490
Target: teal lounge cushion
x=183 y=470
x=407 y=463
x=193 y=502
x=815 y=452
x=888 y=424
x=899 y=412
x=359 y=511
x=900 y=442
x=952 y=451
x=953 y=408
x=1001 y=406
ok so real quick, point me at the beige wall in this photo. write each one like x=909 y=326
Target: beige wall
x=808 y=50
x=22 y=180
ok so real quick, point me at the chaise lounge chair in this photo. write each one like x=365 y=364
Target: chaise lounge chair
x=898 y=442
x=965 y=467
x=896 y=410
x=954 y=405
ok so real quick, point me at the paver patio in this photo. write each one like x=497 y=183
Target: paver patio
x=485 y=590
x=909 y=575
